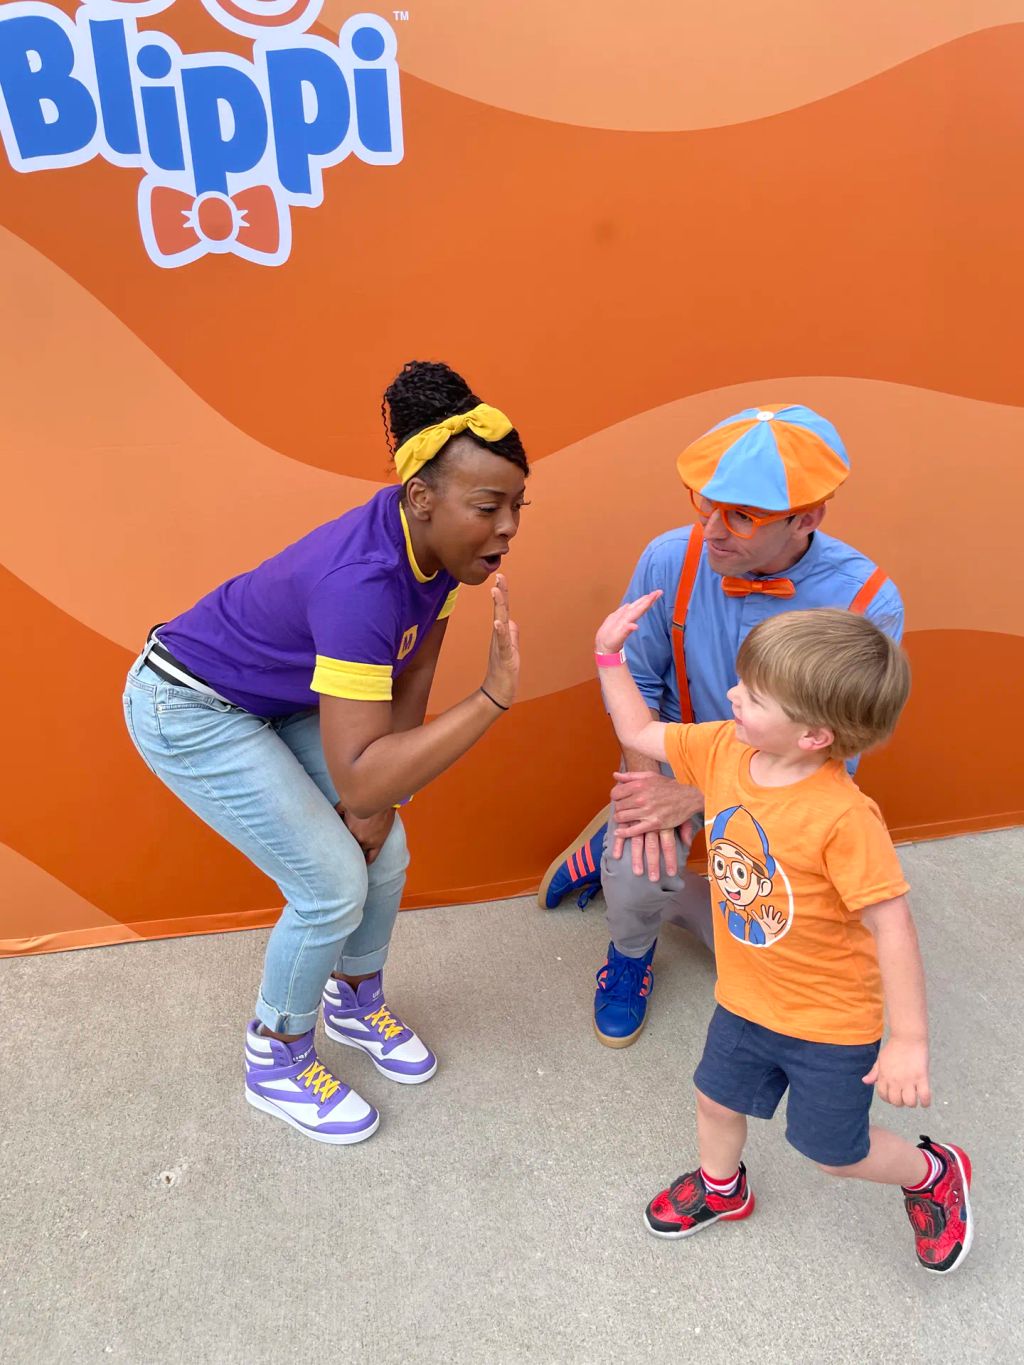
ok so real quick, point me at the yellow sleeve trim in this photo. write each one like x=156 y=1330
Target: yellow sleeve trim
x=354 y=682
x=449 y=603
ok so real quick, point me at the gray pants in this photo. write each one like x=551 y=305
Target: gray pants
x=638 y=907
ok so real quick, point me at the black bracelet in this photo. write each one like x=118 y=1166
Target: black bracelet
x=490 y=698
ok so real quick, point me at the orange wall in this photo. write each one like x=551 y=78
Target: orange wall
x=621 y=232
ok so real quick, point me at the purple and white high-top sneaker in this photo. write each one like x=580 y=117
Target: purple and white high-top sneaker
x=360 y=1018
x=286 y=1080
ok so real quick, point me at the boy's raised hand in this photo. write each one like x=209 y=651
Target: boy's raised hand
x=616 y=629
x=900 y=1075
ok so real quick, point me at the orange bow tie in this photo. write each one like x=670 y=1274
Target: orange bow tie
x=771 y=587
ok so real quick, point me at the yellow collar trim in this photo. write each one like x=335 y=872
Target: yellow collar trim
x=484 y=421
x=421 y=577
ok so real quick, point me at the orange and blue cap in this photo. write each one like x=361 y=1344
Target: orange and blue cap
x=738 y=826
x=772 y=458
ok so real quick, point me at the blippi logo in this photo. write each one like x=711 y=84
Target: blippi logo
x=228 y=145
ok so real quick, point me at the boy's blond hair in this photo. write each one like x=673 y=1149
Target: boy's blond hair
x=832 y=669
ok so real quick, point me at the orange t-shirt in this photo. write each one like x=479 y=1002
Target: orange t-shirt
x=790 y=870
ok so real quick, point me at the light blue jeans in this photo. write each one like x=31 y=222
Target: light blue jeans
x=264 y=785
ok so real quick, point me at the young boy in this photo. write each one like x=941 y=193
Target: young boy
x=812 y=925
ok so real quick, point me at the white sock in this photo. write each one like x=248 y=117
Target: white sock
x=934 y=1171
x=725 y=1187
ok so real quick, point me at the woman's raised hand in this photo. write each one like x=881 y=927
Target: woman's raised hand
x=502 y=678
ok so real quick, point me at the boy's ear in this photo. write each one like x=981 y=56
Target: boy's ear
x=821 y=737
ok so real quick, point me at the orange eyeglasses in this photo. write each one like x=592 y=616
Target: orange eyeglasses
x=740 y=521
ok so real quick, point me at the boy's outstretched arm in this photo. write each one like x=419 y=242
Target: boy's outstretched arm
x=901 y=1072
x=627 y=708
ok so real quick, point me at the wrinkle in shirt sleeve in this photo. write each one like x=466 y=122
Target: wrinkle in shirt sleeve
x=886 y=611
x=860 y=860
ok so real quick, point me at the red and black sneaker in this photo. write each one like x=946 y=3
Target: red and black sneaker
x=688 y=1205
x=940 y=1214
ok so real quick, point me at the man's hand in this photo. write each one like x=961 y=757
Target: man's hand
x=370 y=834
x=647 y=809
x=901 y=1073
x=644 y=803
x=648 y=803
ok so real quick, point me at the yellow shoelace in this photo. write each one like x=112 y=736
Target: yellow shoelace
x=318 y=1079
x=385 y=1023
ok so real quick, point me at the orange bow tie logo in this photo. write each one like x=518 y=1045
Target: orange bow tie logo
x=770 y=587
x=180 y=227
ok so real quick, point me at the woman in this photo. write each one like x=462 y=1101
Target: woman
x=286 y=709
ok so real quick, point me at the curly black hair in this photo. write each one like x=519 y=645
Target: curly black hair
x=427 y=391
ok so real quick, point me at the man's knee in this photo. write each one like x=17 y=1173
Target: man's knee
x=691 y=909
x=628 y=889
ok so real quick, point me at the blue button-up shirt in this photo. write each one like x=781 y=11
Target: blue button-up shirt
x=830 y=574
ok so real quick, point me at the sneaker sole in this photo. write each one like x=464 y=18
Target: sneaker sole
x=619 y=1042
x=555 y=867
x=335 y=1139
x=743 y=1212
x=963 y=1162
x=401 y=1078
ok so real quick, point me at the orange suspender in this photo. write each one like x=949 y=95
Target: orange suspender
x=868 y=593
x=687 y=577
x=691 y=560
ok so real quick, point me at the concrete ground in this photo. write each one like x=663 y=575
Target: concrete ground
x=148 y=1215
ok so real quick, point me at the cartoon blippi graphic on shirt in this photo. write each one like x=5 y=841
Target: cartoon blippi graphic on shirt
x=741 y=864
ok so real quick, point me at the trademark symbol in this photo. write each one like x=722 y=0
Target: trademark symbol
x=401 y=16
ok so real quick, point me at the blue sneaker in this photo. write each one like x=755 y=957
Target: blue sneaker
x=624 y=985
x=577 y=869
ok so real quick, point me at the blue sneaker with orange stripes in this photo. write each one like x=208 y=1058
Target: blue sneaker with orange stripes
x=624 y=985
x=577 y=869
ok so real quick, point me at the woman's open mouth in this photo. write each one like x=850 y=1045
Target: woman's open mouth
x=493 y=562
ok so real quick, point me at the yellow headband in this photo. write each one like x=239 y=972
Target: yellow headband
x=418 y=450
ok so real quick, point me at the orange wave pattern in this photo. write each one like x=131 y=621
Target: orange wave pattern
x=664 y=65
x=119 y=583
x=618 y=292
x=840 y=238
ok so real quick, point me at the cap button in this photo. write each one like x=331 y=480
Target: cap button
x=764 y=416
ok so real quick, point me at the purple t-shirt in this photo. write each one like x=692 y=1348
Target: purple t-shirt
x=340 y=612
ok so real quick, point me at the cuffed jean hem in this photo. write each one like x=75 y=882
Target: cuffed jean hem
x=277 y=1022
x=364 y=965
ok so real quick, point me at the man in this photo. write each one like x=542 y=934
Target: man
x=758 y=483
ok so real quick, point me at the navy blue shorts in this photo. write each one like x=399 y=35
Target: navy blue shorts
x=747 y=1068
